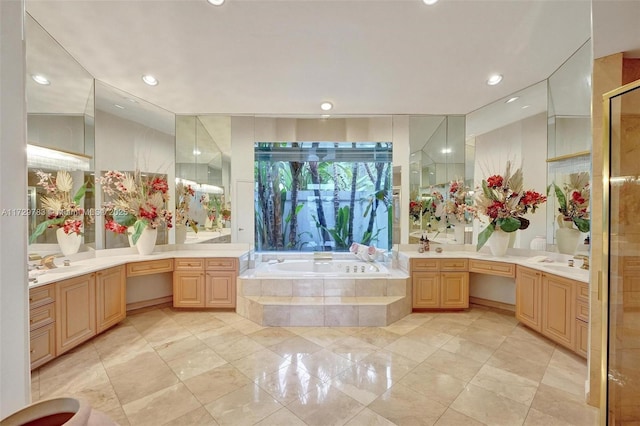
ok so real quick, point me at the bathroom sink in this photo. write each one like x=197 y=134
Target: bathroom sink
x=576 y=271
x=65 y=269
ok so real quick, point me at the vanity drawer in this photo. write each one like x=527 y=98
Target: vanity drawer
x=582 y=310
x=222 y=263
x=42 y=345
x=583 y=292
x=189 y=263
x=492 y=268
x=424 y=264
x=42 y=315
x=454 y=264
x=149 y=267
x=41 y=295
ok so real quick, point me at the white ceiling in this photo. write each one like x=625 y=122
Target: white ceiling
x=285 y=57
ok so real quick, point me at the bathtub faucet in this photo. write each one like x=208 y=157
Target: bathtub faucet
x=322 y=255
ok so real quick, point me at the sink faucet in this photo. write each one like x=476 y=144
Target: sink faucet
x=47 y=262
x=585 y=260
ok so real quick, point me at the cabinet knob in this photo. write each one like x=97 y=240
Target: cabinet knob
x=32 y=351
x=240 y=229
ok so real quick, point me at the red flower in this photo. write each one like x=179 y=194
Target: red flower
x=453 y=188
x=159 y=184
x=494 y=181
x=494 y=209
x=577 y=197
x=532 y=197
x=150 y=214
x=111 y=225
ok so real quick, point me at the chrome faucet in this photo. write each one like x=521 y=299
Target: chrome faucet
x=585 y=260
x=47 y=262
x=322 y=255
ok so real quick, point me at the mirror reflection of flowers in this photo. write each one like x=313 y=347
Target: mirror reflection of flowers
x=61 y=209
x=140 y=202
x=573 y=202
x=211 y=205
x=505 y=202
x=184 y=195
x=430 y=204
x=456 y=204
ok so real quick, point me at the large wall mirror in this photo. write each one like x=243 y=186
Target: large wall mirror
x=132 y=136
x=203 y=172
x=60 y=135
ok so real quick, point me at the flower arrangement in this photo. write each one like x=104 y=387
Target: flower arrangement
x=139 y=202
x=505 y=202
x=184 y=193
x=212 y=206
x=573 y=201
x=430 y=203
x=61 y=209
x=457 y=205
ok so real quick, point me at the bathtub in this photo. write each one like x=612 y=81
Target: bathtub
x=320 y=268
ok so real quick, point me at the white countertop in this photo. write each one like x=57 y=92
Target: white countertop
x=87 y=262
x=557 y=266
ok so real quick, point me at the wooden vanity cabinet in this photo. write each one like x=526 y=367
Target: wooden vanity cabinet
x=558 y=314
x=75 y=312
x=111 y=297
x=529 y=297
x=188 y=283
x=440 y=283
x=205 y=283
x=42 y=328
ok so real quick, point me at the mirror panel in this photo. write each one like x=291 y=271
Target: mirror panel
x=60 y=128
x=131 y=134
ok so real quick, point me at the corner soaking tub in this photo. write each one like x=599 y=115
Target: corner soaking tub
x=320 y=268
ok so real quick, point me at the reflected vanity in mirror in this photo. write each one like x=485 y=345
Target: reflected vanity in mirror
x=60 y=134
x=203 y=209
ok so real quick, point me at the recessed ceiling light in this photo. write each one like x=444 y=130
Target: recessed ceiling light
x=446 y=150
x=326 y=106
x=215 y=2
x=40 y=79
x=118 y=106
x=197 y=152
x=150 y=80
x=326 y=115
x=133 y=101
x=429 y=2
x=526 y=106
x=515 y=98
x=494 y=79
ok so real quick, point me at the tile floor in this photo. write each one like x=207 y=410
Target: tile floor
x=169 y=367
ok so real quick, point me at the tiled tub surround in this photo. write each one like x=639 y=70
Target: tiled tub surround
x=325 y=300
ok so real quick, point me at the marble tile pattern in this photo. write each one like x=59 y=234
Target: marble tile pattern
x=163 y=366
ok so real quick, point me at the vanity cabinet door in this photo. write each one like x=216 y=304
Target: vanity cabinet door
x=426 y=290
x=220 y=289
x=528 y=297
x=111 y=306
x=558 y=317
x=42 y=345
x=454 y=290
x=75 y=312
x=188 y=289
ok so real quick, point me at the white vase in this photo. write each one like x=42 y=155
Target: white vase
x=69 y=243
x=147 y=241
x=208 y=224
x=499 y=242
x=538 y=243
x=567 y=240
x=458 y=230
x=181 y=234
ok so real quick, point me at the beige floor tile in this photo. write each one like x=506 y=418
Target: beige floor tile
x=452 y=417
x=295 y=348
x=564 y=406
x=143 y=381
x=402 y=405
x=489 y=408
x=178 y=348
x=506 y=384
x=539 y=352
x=118 y=416
x=369 y=418
x=260 y=363
x=325 y=405
x=400 y=328
x=197 y=417
x=325 y=336
x=394 y=365
x=244 y=406
x=288 y=383
x=123 y=353
x=565 y=379
x=162 y=406
x=447 y=325
x=195 y=363
x=517 y=365
x=324 y=364
x=411 y=349
x=246 y=326
x=237 y=348
x=483 y=336
x=538 y=418
x=35 y=385
x=461 y=317
x=120 y=335
x=270 y=336
x=352 y=348
x=281 y=417
x=434 y=384
x=468 y=348
x=82 y=357
x=377 y=336
x=456 y=365
x=160 y=336
x=134 y=363
x=429 y=337
x=362 y=384
x=213 y=384
x=523 y=332
x=215 y=336
x=73 y=381
x=228 y=317
x=502 y=327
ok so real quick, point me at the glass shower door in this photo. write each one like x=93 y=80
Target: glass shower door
x=622 y=268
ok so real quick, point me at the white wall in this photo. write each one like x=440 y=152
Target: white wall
x=62 y=132
x=14 y=331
